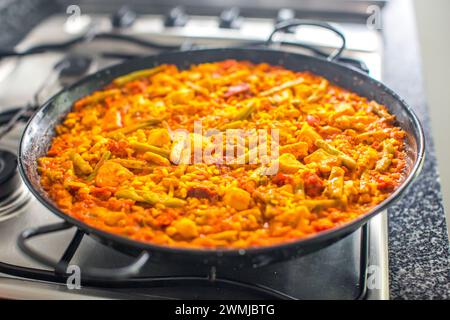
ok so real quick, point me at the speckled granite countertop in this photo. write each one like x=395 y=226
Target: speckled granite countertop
x=418 y=243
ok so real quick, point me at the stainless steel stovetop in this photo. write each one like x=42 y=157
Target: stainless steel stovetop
x=332 y=273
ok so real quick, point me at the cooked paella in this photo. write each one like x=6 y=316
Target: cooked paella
x=228 y=154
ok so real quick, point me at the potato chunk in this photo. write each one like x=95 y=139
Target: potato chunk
x=298 y=149
x=159 y=137
x=112 y=174
x=237 y=198
x=186 y=228
x=289 y=164
x=181 y=96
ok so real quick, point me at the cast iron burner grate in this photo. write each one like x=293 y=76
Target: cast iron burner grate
x=196 y=281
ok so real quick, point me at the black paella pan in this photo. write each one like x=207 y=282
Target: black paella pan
x=38 y=135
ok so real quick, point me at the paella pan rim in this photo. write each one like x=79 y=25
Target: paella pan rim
x=308 y=244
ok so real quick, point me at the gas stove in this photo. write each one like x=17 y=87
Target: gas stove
x=345 y=270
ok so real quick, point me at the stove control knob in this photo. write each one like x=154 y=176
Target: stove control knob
x=176 y=17
x=230 y=19
x=123 y=18
x=285 y=14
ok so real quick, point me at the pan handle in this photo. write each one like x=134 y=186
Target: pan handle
x=60 y=266
x=300 y=22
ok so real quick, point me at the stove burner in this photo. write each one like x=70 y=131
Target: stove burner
x=15 y=204
x=13 y=195
x=9 y=181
